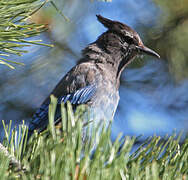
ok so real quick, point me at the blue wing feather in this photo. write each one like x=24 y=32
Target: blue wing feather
x=81 y=96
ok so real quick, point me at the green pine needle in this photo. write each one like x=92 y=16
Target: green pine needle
x=15 y=27
x=60 y=153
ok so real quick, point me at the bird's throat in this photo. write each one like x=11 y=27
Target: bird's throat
x=124 y=63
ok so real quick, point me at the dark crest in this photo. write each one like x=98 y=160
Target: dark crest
x=121 y=29
x=127 y=33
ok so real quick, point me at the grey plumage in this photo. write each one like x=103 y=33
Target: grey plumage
x=95 y=80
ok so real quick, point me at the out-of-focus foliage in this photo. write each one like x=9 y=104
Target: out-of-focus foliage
x=15 y=27
x=171 y=35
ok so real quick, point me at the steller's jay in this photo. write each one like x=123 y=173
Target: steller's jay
x=95 y=80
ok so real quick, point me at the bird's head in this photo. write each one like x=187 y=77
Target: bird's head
x=128 y=37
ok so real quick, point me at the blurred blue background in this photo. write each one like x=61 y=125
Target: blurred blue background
x=153 y=93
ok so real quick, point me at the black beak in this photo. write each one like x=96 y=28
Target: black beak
x=146 y=50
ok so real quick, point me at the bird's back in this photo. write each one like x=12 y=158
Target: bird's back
x=87 y=83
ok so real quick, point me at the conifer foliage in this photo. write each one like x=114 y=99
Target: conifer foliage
x=16 y=29
x=60 y=153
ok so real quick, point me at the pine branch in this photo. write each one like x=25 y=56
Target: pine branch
x=60 y=153
x=16 y=28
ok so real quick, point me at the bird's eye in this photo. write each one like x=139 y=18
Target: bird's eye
x=128 y=39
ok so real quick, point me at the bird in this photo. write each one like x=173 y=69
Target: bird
x=95 y=79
